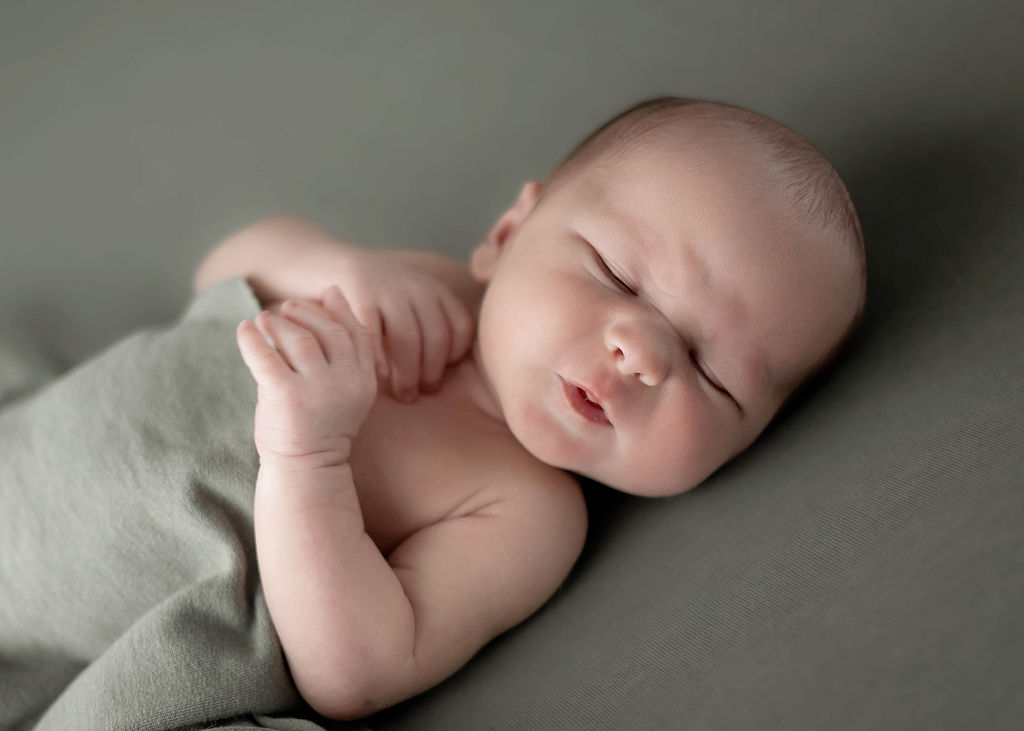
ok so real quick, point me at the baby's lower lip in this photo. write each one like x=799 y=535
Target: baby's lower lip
x=577 y=401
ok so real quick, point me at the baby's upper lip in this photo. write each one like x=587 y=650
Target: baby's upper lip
x=591 y=394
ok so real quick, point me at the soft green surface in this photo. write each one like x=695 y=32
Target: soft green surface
x=860 y=567
x=130 y=594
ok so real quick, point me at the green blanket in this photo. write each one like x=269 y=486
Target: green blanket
x=129 y=590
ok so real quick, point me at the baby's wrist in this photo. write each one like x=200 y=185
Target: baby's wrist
x=316 y=486
x=298 y=464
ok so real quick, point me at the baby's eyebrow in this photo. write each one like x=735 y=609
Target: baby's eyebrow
x=649 y=239
x=632 y=228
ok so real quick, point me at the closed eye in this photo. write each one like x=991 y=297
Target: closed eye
x=707 y=376
x=616 y=280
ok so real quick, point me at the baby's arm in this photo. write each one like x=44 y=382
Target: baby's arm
x=288 y=256
x=362 y=632
x=417 y=306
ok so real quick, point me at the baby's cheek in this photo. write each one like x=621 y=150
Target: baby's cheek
x=688 y=443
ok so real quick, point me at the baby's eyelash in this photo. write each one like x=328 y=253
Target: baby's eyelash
x=615 y=278
x=705 y=375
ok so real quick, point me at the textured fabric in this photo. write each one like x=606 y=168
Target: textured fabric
x=129 y=590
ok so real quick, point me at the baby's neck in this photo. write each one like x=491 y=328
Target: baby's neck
x=468 y=382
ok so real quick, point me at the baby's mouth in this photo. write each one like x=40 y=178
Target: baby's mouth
x=586 y=395
x=584 y=403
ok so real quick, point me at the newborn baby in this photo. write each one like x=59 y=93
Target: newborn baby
x=638 y=318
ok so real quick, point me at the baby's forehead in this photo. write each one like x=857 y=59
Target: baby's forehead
x=716 y=162
x=661 y=183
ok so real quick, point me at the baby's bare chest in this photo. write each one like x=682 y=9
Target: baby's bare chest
x=416 y=464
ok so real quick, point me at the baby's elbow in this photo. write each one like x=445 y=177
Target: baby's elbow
x=346 y=691
x=233 y=255
x=215 y=266
x=339 y=700
x=343 y=709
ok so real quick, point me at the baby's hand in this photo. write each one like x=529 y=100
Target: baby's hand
x=416 y=324
x=316 y=387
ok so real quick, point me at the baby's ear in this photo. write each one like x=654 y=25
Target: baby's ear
x=487 y=253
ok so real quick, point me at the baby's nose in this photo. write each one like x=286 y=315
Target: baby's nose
x=638 y=352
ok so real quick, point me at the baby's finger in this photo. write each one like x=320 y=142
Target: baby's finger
x=402 y=330
x=436 y=342
x=339 y=308
x=461 y=324
x=260 y=357
x=369 y=316
x=297 y=345
x=334 y=338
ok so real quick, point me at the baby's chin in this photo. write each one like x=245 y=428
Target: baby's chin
x=666 y=486
x=659 y=489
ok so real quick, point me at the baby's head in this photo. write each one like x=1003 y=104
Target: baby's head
x=652 y=304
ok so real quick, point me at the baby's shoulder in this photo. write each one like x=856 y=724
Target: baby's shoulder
x=497 y=470
x=541 y=509
x=420 y=464
x=517 y=476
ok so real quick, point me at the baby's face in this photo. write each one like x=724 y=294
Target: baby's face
x=643 y=323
